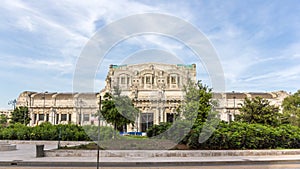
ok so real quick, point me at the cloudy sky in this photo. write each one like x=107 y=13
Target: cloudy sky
x=257 y=42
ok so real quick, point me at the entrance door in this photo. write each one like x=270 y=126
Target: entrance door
x=147 y=121
x=170 y=117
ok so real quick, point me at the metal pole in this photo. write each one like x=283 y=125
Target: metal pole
x=59 y=138
x=98 y=147
x=137 y=116
x=13 y=103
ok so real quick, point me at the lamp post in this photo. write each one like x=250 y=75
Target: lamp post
x=59 y=137
x=13 y=103
x=98 y=147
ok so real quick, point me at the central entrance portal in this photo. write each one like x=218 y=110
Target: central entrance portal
x=147 y=121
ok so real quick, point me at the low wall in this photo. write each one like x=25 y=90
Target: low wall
x=147 y=153
x=168 y=153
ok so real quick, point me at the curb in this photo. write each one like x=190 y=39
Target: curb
x=146 y=164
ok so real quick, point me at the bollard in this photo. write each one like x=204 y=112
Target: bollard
x=39 y=150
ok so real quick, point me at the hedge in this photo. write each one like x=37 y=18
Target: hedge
x=237 y=135
x=47 y=131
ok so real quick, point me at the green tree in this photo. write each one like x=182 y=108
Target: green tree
x=118 y=110
x=259 y=110
x=198 y=109
x=197 y=103
x=3 y=120
x=291 y=108
x=20 y=115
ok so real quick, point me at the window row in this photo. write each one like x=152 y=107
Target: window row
x=150 y=80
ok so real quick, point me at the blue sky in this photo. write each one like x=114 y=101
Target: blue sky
x=258 y=42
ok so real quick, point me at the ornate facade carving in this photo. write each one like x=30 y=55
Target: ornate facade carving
x=155 y=89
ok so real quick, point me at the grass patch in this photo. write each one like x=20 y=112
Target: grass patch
x=130 y=143
x=89 y=146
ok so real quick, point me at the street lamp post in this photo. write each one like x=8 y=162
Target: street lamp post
x=59 y=138
x=13 y=103
x=98 y=147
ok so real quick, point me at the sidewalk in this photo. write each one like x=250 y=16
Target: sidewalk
x=25 y=155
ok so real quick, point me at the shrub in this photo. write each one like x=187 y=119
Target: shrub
x=106 y=133
x=45 y=131
x=236 y=135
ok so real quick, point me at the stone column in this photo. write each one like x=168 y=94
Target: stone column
x=32 y=118
x=67 y=117
x=37 y=118
x=59 y=118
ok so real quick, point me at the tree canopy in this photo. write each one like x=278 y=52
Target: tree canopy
x=118 y=110
x=291 y=108
x=3 y=120
x=198 y=102
x=259 y=110
x=20 y=115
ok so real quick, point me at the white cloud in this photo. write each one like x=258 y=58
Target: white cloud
x=257 y=43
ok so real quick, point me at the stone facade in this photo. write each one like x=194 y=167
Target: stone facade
x=155 y=89
x=6 y=112
x=231 y=102
x=60 y=108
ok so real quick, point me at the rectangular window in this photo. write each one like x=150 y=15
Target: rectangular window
x=34 y=118
x=70 y=117
x=122 y=80
x=41 y=117
x=63 y=117
x=148 y=80
x=173 y=79
x=57 y=118
x=86 y=117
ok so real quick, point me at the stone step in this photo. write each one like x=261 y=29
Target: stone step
x=7 y=147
